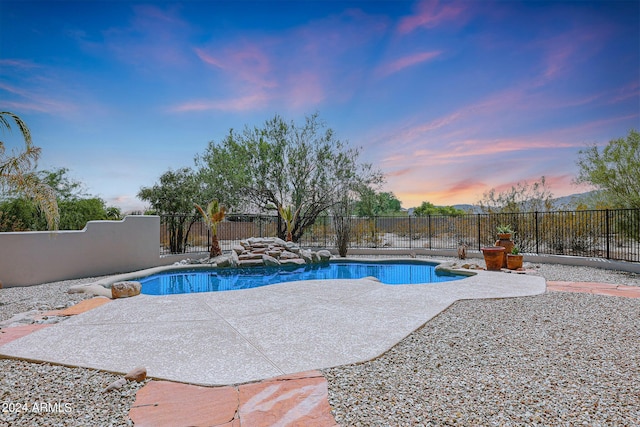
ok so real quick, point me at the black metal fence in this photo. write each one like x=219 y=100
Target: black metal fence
x=611 y=234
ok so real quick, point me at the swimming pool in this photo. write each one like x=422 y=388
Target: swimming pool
x=226 y=279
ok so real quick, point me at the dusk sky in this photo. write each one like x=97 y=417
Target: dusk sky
x=448 y=99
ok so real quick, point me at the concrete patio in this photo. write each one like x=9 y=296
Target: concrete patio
x=223 y=338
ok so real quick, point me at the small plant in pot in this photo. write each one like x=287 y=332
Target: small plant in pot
x=504 y=232
x=514 y=259
x=504 y=239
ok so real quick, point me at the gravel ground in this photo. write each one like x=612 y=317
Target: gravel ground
x=555 y=359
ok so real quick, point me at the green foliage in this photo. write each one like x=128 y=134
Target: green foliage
x=372 y=203
x=289 y=217
x=615 y=170
x=174 y=196
x=428 y=208
x=174 y=193
x=522 y=197
x=284 y=164
x=504 y=229
x=75 y=207
x=213 y=215
x=16 y=172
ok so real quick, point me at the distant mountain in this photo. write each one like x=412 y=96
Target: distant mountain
x=569 y=202
x=572 y=201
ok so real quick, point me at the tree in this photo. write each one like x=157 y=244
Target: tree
x=522 y=197
x=173 y=198
x=428 y=208
x=282 y=164
x=213 y=215
x=16 y=172
x=615 y=170
x=289 y=217
x=75 y=207
x=372 y=204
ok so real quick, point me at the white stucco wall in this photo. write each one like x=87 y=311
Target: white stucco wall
x=102 y=247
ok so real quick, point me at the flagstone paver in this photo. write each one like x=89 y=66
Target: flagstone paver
x=81 y=307
x=595 y=288
x=300 y=399
x=165 y=403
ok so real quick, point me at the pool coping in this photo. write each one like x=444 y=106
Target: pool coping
x=107 y=282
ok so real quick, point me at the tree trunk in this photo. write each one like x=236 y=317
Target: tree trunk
x=215 y=247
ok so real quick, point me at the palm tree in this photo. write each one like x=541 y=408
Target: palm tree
x=289 y=217
x=213 y=215
x=17 y=175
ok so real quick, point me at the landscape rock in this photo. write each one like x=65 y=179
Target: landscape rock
x=288 y=255
x=125 y=289
x=137 y=374
x=267 y=251
x=324 y=255
x=94 y=289
x=117 y=384
x=294 y=261
x=270 y=261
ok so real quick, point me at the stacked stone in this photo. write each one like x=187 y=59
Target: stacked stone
x=272 y=251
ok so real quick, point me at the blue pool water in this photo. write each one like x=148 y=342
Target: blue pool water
x=211 y=280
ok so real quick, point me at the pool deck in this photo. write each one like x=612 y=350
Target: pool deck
x=222 y=338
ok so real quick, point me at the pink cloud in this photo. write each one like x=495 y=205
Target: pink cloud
x=154 y=39
x=297 y=69
x=18 y=64
x=244 y=103
x=34 y=100
x=406 y=61
x=430 y=14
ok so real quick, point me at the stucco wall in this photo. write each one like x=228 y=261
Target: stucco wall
x=103 y=247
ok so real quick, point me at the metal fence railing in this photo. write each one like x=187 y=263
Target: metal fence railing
x=611 y=234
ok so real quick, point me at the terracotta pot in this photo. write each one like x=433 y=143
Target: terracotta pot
x=493 y=257
x=506 y=242
x=514 y=262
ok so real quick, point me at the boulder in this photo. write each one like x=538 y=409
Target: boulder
x=137 y=374
x=293 y=261
x=305 y=254
x=250 y=262
x=238 y=249
x=288 y=255
x=125 y=289
x=93 y=289
x=324 y=255
x=270 y=261
x=223 y=261
x=278 y=241
x=252 y=255
x=234 y=259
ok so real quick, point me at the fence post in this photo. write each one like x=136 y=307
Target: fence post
x=325 y=231
x=429 y=229
x=410 y=235
x=537 y=238
x=607 y=230
x=479 y=243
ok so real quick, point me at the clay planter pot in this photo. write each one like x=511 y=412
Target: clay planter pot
x=514 y=262
x=504 y=240
x=493 y=257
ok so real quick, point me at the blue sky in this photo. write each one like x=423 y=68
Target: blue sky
x=449 y=99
